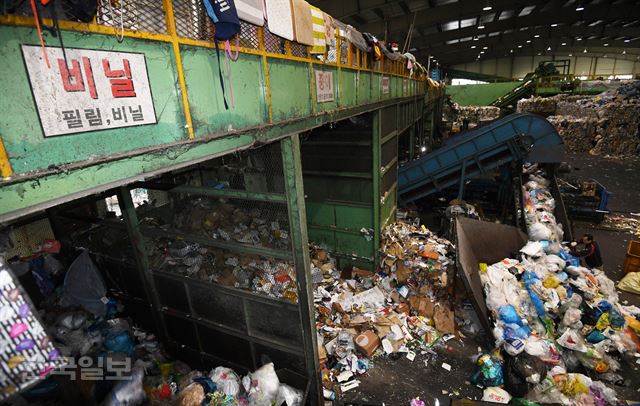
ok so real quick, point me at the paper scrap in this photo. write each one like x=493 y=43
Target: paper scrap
x=411 y=356
x=446 y=366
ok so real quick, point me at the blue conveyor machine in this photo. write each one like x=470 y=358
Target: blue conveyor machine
x=514 y=138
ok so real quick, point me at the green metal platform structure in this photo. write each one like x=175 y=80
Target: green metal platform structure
x=338 y=188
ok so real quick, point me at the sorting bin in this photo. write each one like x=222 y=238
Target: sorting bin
x=632 y=261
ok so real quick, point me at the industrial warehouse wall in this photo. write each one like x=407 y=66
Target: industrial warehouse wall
x=517 y=67
x=479 y=95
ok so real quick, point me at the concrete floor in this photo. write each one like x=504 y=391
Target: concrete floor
x=397 y=381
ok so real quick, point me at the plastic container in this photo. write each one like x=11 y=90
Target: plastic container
x=295 y=380
x=632 y=262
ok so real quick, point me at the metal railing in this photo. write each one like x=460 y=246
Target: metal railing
x=185 y=22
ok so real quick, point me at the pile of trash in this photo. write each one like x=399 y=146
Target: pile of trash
x=537 y=105
x=619 y=222
x=607 y=124
x=560 y=330
x=475 y=115
x=402 y=309
x=263 y=275
x=256 y=224
x=82 y=333
x=540 y=206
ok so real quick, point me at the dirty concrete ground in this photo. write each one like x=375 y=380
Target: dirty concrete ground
x=396 y=382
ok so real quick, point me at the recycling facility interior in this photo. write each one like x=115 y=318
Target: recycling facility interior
x=260 y=240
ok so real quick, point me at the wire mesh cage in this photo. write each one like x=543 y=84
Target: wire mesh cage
x=249 y=37
x=344 y=51
x=273 y=43
x=192 y=20
x=299 y=50
x=134 y=15
x=225 y=221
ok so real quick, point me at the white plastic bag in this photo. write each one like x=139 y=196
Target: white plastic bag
x=84 y=286
x=496 y=394
x=226 y=380
x=289 y=396
x=263 y=385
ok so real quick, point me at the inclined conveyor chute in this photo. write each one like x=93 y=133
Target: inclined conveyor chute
x=517 y=137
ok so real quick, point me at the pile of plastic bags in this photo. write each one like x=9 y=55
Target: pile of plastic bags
x=553 y=317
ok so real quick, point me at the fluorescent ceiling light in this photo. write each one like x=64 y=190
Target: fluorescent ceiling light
x=554 y=25
x=487 y=8
x=580 y=7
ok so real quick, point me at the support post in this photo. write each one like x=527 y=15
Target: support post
x=130 y=218
x=376 y=184
x=300 y=242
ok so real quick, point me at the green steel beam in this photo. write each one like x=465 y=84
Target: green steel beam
x=376 y=183
x=298 y=224
x=229 y=193
x=35 y=192
x=359 y=175
x=140 y=251
x=209 y=242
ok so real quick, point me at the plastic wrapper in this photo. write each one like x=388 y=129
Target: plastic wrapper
x=128 y=392
x=262 y=385
x=289 y=396
x=226 y=380
x=496 y=394
x=83 y=286
x=488 y=371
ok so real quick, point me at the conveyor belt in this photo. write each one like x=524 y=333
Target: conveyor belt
x=517 y=137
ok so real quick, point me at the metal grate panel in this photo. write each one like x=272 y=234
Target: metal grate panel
x=273 y=43
x=134 y=15
x=344 y=51
x=299 y=50
x=249 y=35
x=192 y=20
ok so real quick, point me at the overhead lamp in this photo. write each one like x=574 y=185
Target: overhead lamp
x=580 y=7
x=578 y=39
x=511 y=51
x=604 y=56
x=585 y=51
x=549 y=48
x=554 y=25
x=487 y=8
x=519 y=46
x=627 y=40
x=476 y=39
x=482 y=52
x=564 y=43
x=536 y=36
x=624 y=52
x=570 y=54
x=606 y=45
x=473 y=47
x=528 y=41
x=481 y=27
x=485 y=47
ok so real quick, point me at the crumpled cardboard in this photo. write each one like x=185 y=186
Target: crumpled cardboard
x=443 y=318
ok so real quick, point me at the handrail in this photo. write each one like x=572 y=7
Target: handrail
x=394 y=68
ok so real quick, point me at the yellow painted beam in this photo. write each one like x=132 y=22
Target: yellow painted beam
x=171 y=28
x=5 y=165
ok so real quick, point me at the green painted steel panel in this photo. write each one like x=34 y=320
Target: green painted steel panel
x=339 y=189
x=205 y=93
x=290 y=89
x=364 y=87
x=353 y=217
x=320 y=214
x=388 y=207
x=23 y=138
x=349 y=79
x=329 y=105
x=480 y=95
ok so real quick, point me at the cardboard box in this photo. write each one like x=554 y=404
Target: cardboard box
x=425 y=307
x=367 y=342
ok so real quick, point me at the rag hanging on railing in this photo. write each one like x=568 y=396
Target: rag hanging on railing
x=225 y=18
